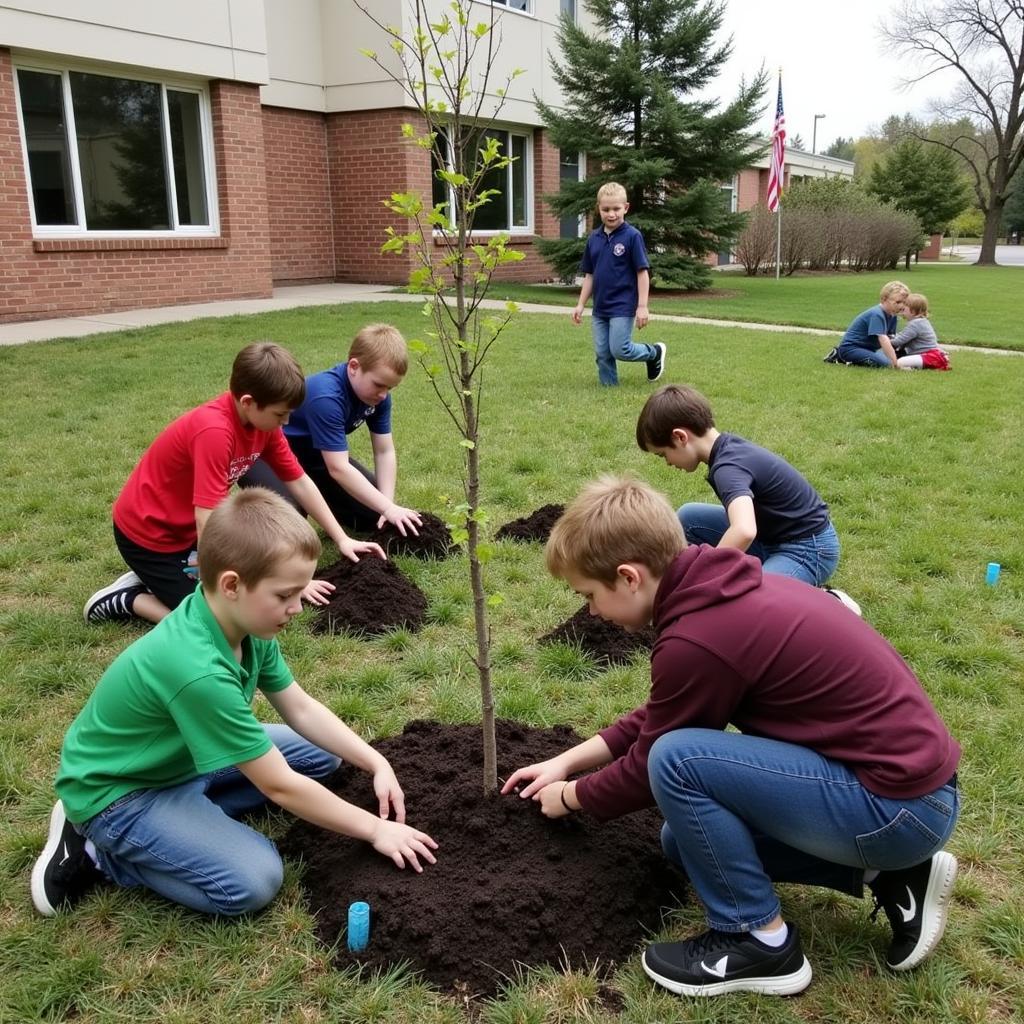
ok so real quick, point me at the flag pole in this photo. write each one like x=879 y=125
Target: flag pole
x=777 y=174
x=778 y=242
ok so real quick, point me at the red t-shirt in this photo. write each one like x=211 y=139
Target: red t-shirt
x=194 y=462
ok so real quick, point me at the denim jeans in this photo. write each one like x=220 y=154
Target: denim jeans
x=811 y=559
x=742 y=812
x=861 y=356
x=613 y=339
x=184 y=843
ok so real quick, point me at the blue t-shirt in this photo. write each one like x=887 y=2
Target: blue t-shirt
x=614 y=260
x=864 y=331
x=332 y=410
x=786 y=506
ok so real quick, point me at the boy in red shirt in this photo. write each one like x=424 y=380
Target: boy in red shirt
x=841 y=774
x=189 y=469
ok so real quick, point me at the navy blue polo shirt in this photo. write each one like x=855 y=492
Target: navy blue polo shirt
x=331 y=410
x=614 y=261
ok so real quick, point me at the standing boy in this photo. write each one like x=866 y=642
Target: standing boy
x=868 y=340
x=167 y=754
x=616 y=271
x=337 y=401
x=841 y=774
x=161 y=512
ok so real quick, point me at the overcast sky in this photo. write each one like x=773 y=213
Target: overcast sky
x=833 y=60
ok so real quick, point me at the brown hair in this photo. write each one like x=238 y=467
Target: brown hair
x=612 y=189
x=269 y=373
x=251 y=532
x=614 y=520
x=916 y=303
x=890 y=288
x=672 y=407
x=380 y=343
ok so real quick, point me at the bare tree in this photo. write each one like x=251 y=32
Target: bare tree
x=983 y=41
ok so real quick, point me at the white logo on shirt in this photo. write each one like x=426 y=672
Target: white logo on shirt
x=618 y=248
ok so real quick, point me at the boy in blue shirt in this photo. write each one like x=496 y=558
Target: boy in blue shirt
x=167 y=754
x=616 y=271
x=868 y=340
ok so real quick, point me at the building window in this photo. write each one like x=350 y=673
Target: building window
x=515 y=5
x=109 y=154
x=570 y=168
x=569 y=8
x=509 y=209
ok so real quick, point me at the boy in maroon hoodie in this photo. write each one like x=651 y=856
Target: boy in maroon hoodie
x=842 y=773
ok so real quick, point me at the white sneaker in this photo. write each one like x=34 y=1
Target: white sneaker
x=841 y=595
x=114 y=601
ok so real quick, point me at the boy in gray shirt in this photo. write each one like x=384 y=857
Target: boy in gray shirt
x=917 y=347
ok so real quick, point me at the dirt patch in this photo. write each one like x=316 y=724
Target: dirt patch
x=536 y=526
x=604 y=641
x=433 y=541
x=509 y=886
x=372 y=596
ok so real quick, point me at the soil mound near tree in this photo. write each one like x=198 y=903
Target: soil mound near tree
x=433 y=541
x=604 y=641
x=371 y=597
x=509 y=885
x=536 y=526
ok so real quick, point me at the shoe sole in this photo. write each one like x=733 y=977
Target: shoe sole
x=783 y=985
x=936 y=909
x=39 y=897
x=126 y=579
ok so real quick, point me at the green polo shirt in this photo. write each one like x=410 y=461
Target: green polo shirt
x=174 y=705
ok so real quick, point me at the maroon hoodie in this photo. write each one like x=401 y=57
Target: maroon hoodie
x=780 y=659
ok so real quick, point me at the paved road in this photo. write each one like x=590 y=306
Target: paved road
x=1006 y=255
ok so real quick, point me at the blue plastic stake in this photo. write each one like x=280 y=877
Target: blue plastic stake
x=358 y=926
x=992 y=574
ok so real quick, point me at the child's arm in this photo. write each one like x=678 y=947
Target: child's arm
x=308 y=495
x=585 y=291
x=742 y=524
x=347 y=477
x=643 y=286
x=546 y=778
x=886 y=346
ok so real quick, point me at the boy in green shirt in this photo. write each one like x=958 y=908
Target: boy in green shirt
x=167 y=754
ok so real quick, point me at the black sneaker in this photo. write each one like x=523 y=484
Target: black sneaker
x=114 y=602
x=64 y=872
x=656 y=364
x=916 y=901
x=832 y=357
x=715 y=963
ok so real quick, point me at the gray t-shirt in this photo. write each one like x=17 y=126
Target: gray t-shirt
x=916 y=338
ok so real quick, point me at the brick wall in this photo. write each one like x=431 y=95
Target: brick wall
x=52 y=278
x=298 y=196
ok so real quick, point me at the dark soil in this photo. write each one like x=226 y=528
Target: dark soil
x=433 y=541
x=509 y=887
x=536 y=526
x=604 y=641
x=371 y=597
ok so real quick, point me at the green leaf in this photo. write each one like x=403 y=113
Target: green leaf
x=372 y=54
x=494 y=600
x=466 y=443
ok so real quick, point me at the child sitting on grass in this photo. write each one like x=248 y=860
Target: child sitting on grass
x=841 y=773
x=917 y=346
x=167 y=754
x=868 y=340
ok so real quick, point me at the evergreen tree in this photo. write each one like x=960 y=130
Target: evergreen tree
x=625 y=92
x=842 y=149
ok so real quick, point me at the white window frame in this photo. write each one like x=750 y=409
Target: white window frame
x=519 y=230
x=581 y=175
x=80 y=230
x=528 y=13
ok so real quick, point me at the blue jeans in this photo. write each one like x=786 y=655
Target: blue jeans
x=861 y=356
x=811 y=559
x=742 y=812
x=184 y=843
x=613 y=339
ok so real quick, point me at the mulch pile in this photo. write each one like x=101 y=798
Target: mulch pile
x=536 y=526
x=509 y=886
x=371 y=597
x=433 y=541
x=604 y=641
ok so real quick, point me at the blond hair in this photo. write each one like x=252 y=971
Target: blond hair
x=916 y=303
x=380 y=343
x=269 y=373
x=891 y=288
x=611 y=190
x=251 y=532
x=614 y=520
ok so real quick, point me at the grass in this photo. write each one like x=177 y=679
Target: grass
x=969 y=305
x=923 y=475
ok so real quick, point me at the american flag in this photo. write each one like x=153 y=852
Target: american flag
x=778 y=155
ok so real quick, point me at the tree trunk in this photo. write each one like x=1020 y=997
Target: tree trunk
x=993 y=222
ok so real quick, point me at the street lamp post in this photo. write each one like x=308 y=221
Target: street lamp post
x=814 y=133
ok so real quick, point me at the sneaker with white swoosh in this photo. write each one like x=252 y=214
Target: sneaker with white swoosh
x=64 y=872
x=715 y=963
x=916 y=902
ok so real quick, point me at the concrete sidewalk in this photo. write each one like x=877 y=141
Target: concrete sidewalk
x=291 y=297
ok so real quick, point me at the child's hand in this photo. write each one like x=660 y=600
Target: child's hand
x=537 y=775
x=642 y=317
x=577 y=314
x=404 y=520
x=352 y=549
x=389 y=793
x=550 y=799
x=404 y=845
x=318 y=592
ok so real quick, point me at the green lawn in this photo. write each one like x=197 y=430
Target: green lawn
x=968 y=305
x=923 y=475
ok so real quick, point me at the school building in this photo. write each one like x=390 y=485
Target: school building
x=158 y=154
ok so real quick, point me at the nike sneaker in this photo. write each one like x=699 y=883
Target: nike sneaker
x=916 y=901
x=64 y=872
x=715 y=963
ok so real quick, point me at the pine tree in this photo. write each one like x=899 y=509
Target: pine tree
x=626 y=106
